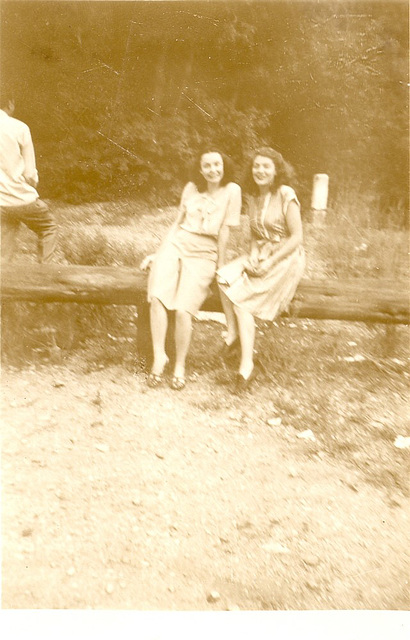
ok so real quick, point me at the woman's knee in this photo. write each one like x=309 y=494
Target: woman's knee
x=242 y=314
x=183 y=321
x=156 y=304
x=182 y=316
x=237 y=310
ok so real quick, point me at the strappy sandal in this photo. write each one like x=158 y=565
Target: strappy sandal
x=155 y=380
x=177 y=383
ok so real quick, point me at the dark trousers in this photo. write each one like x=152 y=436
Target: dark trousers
x=37 y=217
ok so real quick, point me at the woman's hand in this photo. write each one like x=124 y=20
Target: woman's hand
x=251 y=265
x=252 y=268
x=253 y=258
x=261 y=268
x=146 y=263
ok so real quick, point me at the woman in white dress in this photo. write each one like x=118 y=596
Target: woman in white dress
x=185 y=264
x=263 y=282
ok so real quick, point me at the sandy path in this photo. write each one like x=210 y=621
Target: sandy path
x=118 y=496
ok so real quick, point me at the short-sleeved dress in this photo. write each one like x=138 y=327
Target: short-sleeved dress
x=185 y=264
x=266 y=296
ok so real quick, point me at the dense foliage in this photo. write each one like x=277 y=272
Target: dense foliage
x=120 y=94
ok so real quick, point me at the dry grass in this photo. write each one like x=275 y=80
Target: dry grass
x=121 y=233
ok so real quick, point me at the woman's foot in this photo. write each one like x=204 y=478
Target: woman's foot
x=155 y=380
x=243 y=382
x=178 y=383
x=156 y=377
x=178 y=380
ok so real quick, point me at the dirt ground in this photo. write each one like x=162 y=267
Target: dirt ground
x=117 y=496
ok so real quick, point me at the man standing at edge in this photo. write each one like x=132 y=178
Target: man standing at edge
x=19 y=200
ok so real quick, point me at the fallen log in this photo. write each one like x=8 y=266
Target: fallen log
x=353 y=300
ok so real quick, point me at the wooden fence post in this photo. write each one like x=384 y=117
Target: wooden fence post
x=319 y=198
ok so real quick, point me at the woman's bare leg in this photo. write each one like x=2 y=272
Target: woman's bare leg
x=159 y=325
x=183 y=332
x=231 y=321
x=246 y=325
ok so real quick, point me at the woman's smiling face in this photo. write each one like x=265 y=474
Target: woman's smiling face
x=212 y=167
x=263 y=171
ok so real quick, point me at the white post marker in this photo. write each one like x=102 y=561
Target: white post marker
x=319 y=197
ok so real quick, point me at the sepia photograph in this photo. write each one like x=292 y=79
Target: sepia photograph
x=205 y=353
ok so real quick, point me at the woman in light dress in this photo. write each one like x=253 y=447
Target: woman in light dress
x=262 y=283
x=185 y=264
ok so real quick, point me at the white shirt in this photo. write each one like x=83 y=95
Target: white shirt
x=17 y=163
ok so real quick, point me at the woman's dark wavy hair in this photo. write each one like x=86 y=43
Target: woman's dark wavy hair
x=285 y=173
x=198 y=179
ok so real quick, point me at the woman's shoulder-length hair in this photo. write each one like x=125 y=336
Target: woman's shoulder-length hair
x=198 y=179
x=285 y=173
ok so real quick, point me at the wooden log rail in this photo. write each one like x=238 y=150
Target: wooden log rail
x=367 y=301
x=353 y=300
